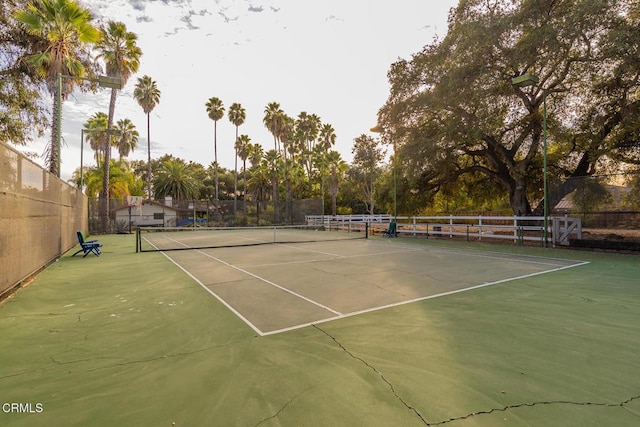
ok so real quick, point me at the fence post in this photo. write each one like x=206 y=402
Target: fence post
x=451 y=226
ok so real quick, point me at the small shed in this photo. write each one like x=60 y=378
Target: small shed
x=149 y=214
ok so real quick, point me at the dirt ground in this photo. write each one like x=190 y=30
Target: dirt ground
x=611 y=234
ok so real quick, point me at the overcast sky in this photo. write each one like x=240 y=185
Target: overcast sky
x=328 y=57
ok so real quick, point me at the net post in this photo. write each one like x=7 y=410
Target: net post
x=138 y=245
x=366 y=230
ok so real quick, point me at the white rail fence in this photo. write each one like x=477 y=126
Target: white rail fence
x=516 y=228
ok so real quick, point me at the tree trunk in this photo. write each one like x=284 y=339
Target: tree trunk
x=215 y=167
x=107 y=159
x=54 y=149
x=244 y=186
x=371 y=206
x=276 y=209
x=334 y=200
x=149 y=156
x=518 y=197
x=235 y=178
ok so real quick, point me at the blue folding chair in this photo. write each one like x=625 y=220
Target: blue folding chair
x=392 y=231
x=87 y=246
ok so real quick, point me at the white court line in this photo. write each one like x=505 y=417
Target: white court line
x=355 y=313
x=255 y=276
x=268 y=282
x=233 y=310
x=442 y=294
x=507 y=257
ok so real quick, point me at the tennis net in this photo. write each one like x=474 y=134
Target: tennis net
x=182 y=238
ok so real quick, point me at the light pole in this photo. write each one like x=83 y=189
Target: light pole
x=532 y=80
x=378 y=129
x=81 y=159
x=103 y=81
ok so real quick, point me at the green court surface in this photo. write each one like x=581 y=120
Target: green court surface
x=377 y=332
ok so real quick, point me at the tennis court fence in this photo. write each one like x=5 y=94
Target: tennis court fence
x=170 y=212
x=39 y=217
x=519 y=229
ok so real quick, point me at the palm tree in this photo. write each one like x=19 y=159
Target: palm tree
x=147 y=94
x=175 y=179
x=259 y=183
x=243 y=147
x=273 y=117
x=307 y=131
x=287 y=136
x=327 y=137
x=96 y=131
x=326 y=140
x=256 y=153
x=237 y=115
x=274 y=120
x=65 y=30
x=272 y=158
x=122 y=180
x=121 y=55
x=215 y=111
x=127 y=137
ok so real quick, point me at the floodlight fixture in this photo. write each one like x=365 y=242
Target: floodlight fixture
x=525 y=80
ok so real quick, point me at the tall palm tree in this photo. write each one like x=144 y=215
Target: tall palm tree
x=66 y=31
x=272 y=158
x=215 y=111
x=307 y=127
x=243 y=148
x=273 y=118
x=327 y=138
x=147 y=94
x=259 y=183
x=237 y=115
x=287 y=136
x=121 y=55
x=126 y=137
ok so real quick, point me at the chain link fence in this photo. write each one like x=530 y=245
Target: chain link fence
x=189 y=213
x=608 y=205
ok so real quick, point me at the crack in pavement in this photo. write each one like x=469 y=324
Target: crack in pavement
x=477 y=413
x=278 y=412
x=533 y=404
x=373 y=368
x=282 y=408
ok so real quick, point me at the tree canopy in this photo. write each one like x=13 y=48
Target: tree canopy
x=453 y=112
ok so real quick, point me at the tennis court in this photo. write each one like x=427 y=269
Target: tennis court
x=316 y=276
x=516 y=336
